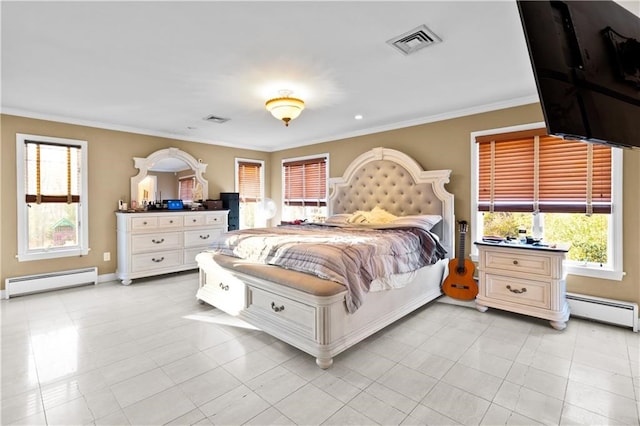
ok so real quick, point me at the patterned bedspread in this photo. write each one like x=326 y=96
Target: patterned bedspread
x=351 y=256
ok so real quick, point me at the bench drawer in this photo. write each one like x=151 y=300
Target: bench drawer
x=293 y=315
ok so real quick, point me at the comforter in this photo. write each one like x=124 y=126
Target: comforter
x=351 y=256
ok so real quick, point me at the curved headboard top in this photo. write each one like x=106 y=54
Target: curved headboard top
x=395 y=182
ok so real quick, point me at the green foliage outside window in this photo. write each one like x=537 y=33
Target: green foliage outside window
x=587 y=234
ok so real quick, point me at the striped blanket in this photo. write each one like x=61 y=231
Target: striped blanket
x=351 y=256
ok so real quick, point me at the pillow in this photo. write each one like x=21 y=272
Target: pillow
x=358 y=217
x=376 y=216
x=424 y=221
x=338 y=219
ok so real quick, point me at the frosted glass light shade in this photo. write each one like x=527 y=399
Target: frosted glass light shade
x=285 y=108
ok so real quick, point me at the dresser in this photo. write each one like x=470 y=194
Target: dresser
x=523 y=278
x=154 y=243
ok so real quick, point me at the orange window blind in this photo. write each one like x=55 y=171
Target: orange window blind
x=249 y=181
x=305 y=182
x=186 y=187
x=531 y=171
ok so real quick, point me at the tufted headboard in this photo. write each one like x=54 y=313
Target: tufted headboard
x=396 y=183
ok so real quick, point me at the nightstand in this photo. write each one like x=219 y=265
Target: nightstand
x=525 y=279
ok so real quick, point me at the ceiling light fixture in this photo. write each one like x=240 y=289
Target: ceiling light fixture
x=285 y=107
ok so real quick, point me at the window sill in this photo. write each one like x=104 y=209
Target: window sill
x=54 y=254
x=595 y=272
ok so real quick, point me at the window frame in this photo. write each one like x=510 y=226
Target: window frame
x=614 y=239
x=259 y=222
x=82 y=249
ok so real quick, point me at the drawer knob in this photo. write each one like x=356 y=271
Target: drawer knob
x=277 y=308
x=144 y=223
x=194 y=220
x=160 y=241
x=204 y=237
x=224 y=287
x=171 y=221
x=515 y=290
x=158 y=260
x=515 y=262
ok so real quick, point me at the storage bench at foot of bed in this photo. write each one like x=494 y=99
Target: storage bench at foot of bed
x=305 y=311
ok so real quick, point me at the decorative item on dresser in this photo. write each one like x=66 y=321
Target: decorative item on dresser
x=524 y=278
x=168 y=241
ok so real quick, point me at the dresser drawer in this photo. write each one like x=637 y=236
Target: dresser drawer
x=521 y=291
x=157 y=260
x=518 y=262
x=190 y=255
x=194 y=220
x=170 y=222
x=216 y=219
x=155 y=242
x=281 y=310
x=143 y=222
x=201 y=237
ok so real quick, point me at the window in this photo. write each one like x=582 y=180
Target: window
x=52 y=197
x=558 y=190
x=304 y=185
x=250 y=187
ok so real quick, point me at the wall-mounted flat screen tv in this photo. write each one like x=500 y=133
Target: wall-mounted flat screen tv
x=586 y=61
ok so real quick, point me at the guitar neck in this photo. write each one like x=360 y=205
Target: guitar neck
x=461 y=250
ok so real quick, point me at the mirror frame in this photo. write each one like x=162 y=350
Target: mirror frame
x=146 y=164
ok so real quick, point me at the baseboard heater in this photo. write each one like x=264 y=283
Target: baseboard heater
x=605 y=310
x=50 y=281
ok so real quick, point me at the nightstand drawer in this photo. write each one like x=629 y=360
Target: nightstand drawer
x=521 y=291
x=526 y=262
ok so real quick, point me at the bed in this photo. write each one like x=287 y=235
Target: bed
x=315 y=314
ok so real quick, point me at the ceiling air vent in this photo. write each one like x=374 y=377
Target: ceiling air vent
x=216 y=119
x=414 y=40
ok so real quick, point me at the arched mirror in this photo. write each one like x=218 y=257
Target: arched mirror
x=169 y=174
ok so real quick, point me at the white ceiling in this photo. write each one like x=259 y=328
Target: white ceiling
x=160 y=67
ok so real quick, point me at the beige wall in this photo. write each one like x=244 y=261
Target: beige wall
x=440 y=145
x=110 y=169
x=446 y=145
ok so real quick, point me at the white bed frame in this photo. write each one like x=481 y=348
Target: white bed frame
x=321 y=325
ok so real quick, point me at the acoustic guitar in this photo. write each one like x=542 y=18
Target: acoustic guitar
x=460 y=284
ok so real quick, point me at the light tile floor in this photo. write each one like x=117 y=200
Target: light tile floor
x=150 y=354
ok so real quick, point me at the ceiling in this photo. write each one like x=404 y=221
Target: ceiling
x=160 y=68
